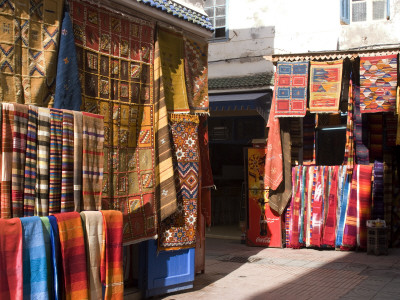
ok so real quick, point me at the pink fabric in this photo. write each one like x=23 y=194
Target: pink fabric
x=273 y=162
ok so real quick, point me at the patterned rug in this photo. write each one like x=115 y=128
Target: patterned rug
x=115 y=60
x=196 y=74
x=291 y=89
x=179 y=230
x=30 y=34
x=378 y=82
x=325 y=86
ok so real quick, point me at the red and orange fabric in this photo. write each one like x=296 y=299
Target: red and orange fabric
x=11 y=281
x=329 y=233
x=111 y=269
x=273 y=162
x=73 y=255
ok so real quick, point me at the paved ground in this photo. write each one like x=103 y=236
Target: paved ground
x=235 y=271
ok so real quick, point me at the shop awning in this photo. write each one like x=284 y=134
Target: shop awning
x=260 y=102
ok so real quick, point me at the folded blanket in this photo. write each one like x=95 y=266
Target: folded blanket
x=73 y=255
x=34 y=259
x=11 y=259
x=111 y=255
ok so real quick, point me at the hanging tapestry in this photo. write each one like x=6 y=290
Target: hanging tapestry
x=291 y=89
x=115 y=60
x=362 y=152
x=179 y=230
x=172 y=62
x=30 y=162
x=329 y=234
x=378 y=83
x=165 y=183
x=29 y=45
x=196 y=74
x=68 y=88
x=349 y=147
x=78 y=156
x=206 y=171
x=11 y=269
x=325 y=86
x=273 y=175
x=375 y=122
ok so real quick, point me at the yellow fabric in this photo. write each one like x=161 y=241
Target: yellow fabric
x=29 y=38
x=172 y=62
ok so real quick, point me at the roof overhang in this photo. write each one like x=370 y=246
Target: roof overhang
x=161 y=16
x=260 y=102
x=333 y=55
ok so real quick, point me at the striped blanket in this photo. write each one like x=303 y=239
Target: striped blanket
x=6 y=159
x=329 y=233
x=30 y=162
x=18 y=159
x=47 y=233
x=73 y=255
x=78 y=156
x=93 y=224
x=93 y=160
x=11 y=282
x=111 y=268
x=362 y=152
x=43 y=156
x=34 y=259
x=349 y=147
x=56 y=117
x=67 y=163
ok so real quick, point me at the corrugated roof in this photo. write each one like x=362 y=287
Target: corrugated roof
x=242 y=82
x=181 y=12
x=333 y=55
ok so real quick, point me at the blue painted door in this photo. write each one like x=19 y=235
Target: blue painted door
x=166 y=271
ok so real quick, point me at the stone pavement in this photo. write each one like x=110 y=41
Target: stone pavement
x=236 y=271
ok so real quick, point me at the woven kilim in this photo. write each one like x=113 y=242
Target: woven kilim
x=344 y=188
x=206 y=171
x=116 y=73
x=28 y=47
x=196 y=74
x=56 y=117
x=378 y=82
x=325 y=86
x=179 y=230
x=67 y=162
x=317 y=220
x=30 y=162
x=43 y=156
x=291 y=89
x=172 y=62
x=6 y=158
x=18 y=159
x=92 y=160
x=165 y=183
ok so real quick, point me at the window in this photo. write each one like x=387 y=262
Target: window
x=364 y=10
x=216 y=11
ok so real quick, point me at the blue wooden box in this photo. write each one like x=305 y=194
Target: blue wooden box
x=166 y=271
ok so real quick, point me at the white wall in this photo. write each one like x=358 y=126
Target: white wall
x=260 y=28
